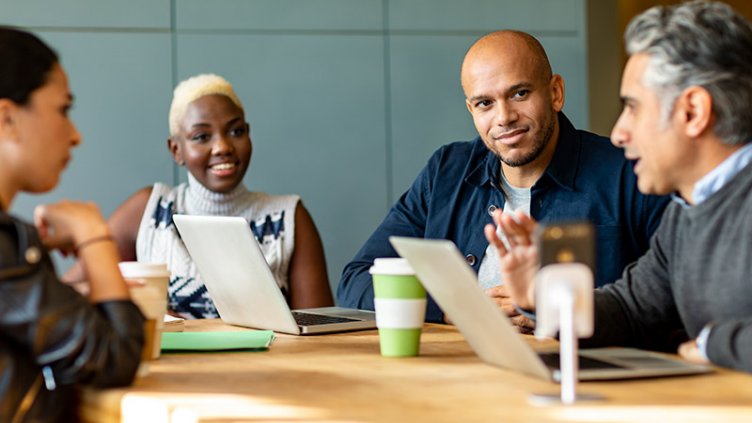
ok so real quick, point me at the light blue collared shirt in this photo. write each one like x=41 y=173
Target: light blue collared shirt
x=718 y=177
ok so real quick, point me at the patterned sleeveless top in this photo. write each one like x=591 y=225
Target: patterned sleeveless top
x=272 y=219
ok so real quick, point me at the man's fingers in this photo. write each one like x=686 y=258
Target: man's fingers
x=527 y=222
x=498 y=291
x=518 y=227
x=509 y=310
x=501 y=290
x=506 y=306
x=525 y=330
x=515 y=231
x=493 y=239
x=499 y=297
x=523 y=322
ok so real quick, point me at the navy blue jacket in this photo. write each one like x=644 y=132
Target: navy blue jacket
x=587 y=179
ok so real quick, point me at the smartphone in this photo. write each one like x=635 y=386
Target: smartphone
x=566 y=242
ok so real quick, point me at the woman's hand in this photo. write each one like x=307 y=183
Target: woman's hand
x=79 y=227
x=66 y=224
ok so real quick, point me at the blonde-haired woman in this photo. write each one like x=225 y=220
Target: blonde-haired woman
x=210 y=137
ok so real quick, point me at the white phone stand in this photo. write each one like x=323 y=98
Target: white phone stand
x=564 y=304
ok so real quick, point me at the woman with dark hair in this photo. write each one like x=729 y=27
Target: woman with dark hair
x=51 y=337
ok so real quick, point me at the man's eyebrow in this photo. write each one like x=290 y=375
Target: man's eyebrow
x=520 y=86
x=513 y=88
x=625 y=99
x=517 y=87
x=473 y=99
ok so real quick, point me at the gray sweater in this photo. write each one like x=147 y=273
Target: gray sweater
x=698 y=270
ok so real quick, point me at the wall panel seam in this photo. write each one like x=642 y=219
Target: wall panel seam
x=389 y=162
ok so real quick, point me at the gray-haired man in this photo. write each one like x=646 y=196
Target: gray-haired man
x=687 y=122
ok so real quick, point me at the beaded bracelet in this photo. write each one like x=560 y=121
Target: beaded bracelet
x=93 y=240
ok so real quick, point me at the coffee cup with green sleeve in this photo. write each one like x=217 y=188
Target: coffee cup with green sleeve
x=400 y=302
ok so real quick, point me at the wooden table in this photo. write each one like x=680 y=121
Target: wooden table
x=342 y=378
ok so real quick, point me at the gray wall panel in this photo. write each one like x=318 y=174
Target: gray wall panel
x=316 y=109
x=428 y=106
x=327 y=121
x=328 y=15
x=87 y=13
x=485 y=15
x=567 y=58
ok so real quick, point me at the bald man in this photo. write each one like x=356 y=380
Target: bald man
x=528 y=159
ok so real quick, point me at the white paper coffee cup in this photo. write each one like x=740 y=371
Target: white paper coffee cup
x=148 y=290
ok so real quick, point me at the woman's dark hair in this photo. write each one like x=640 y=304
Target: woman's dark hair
x=25 y=62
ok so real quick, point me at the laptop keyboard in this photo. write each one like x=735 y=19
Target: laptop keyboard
x=552 y=361
x=309 y=319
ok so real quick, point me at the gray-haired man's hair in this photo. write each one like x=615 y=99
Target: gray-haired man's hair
x=703 y=44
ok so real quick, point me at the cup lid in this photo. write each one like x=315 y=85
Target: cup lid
x=135 y=269
x=391 y=266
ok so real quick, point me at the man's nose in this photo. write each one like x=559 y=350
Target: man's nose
x=619 y=134
x=505 y=114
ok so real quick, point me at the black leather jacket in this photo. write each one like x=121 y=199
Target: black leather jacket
x=51 y=338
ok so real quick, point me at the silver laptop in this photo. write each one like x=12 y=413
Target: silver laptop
x=453 y=284
x=242 y=286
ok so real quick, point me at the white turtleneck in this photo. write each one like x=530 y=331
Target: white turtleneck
x=272 y=219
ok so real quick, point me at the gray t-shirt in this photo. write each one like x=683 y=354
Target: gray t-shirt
x=516 y=199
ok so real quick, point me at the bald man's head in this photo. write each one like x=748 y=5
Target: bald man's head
x=508 y=45
x=514 y=98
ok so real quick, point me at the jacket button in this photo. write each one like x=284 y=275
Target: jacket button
x=470 y=259
x=33 y=255
x=491 y=209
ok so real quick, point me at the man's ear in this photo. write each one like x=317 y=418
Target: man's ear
x=469 y=106
x=557 y=92
x=695 y=108
x=174 y=146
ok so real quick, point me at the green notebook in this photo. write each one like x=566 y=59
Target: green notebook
x=216 y=341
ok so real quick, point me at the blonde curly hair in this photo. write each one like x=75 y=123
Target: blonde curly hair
x=192 y=89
